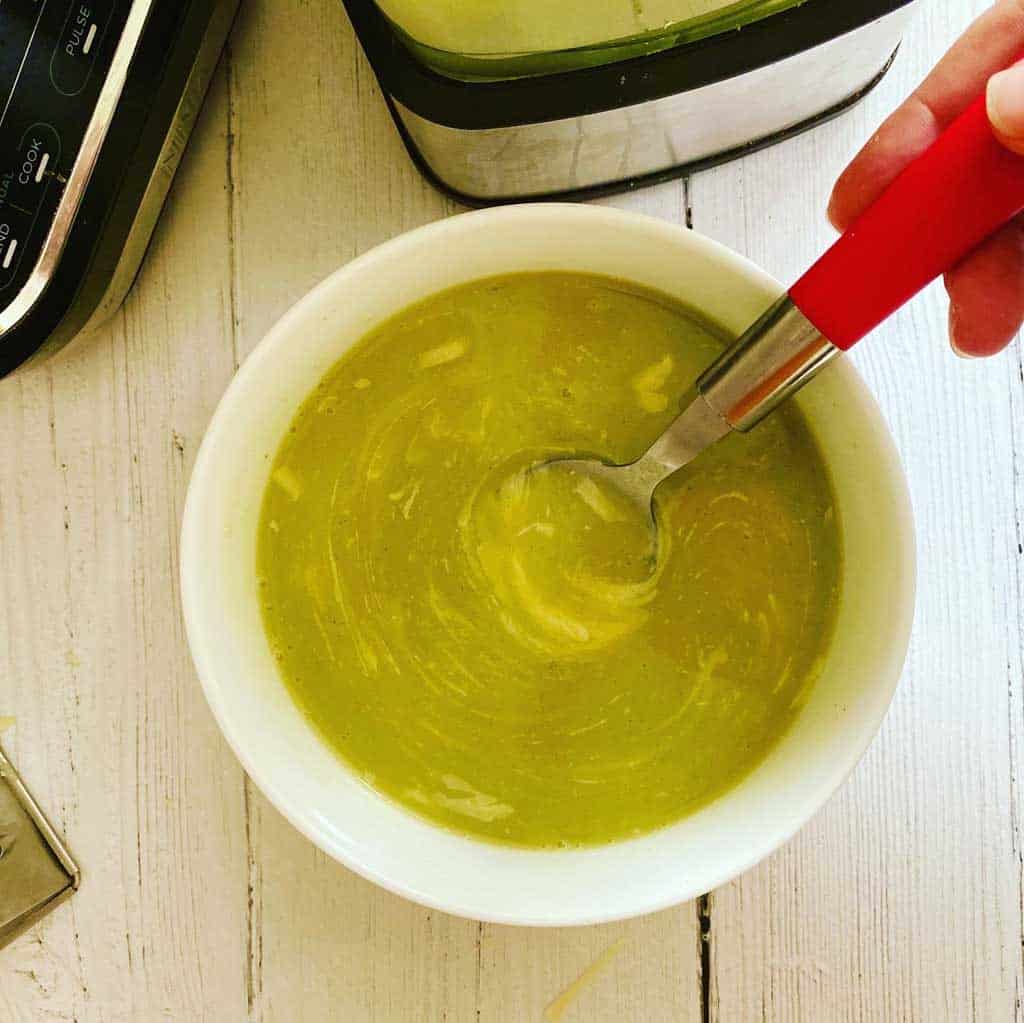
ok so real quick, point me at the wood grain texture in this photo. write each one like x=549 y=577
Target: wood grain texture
x=112 y=732
x=901 y=901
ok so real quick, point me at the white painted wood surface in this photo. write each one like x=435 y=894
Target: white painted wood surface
x=901 y=901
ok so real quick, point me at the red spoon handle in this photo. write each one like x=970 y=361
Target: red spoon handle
x=963 y=189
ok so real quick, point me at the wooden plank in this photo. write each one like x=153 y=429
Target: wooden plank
x=647 y=970
x=113 y=734
x=902 y=900
x=318 y=176
x=318 y=172
x=1015 y=664
x=321 y=938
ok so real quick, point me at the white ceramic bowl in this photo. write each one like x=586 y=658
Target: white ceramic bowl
x=315 y=791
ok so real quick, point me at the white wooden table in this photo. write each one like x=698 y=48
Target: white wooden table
x=901 y=901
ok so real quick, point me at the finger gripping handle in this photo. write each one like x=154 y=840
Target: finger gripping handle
x=961 y=190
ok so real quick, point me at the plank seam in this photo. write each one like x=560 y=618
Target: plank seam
x=704 y=955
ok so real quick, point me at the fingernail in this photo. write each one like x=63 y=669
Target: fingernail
x=1006 y=102
x=956 y=338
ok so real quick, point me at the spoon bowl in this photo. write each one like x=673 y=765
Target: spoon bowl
x=694 y=430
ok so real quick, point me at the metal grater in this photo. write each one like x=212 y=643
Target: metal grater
x=36 y=870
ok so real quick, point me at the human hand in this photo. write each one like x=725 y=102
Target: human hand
x=986 y=290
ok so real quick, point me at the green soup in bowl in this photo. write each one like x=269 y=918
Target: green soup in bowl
x=457 y=751
x=495 y=648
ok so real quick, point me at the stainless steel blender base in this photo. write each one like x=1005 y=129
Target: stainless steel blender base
x=616 y=148
x=36 y=871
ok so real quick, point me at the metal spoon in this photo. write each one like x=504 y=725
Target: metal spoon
x=954 y=196
x=772 y=360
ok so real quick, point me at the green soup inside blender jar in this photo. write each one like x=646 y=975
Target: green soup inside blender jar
x=514 y=38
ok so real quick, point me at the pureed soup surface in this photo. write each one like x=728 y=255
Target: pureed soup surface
x=499 y=27
x=495 y=647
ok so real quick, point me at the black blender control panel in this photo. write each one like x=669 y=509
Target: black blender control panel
x=54 y=58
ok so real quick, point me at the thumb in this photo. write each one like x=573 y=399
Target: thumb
x=1006 y=106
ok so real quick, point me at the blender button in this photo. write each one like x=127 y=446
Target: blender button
x=35 y=164
x=78 y=44
x=12 y=235
x=12 y=247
